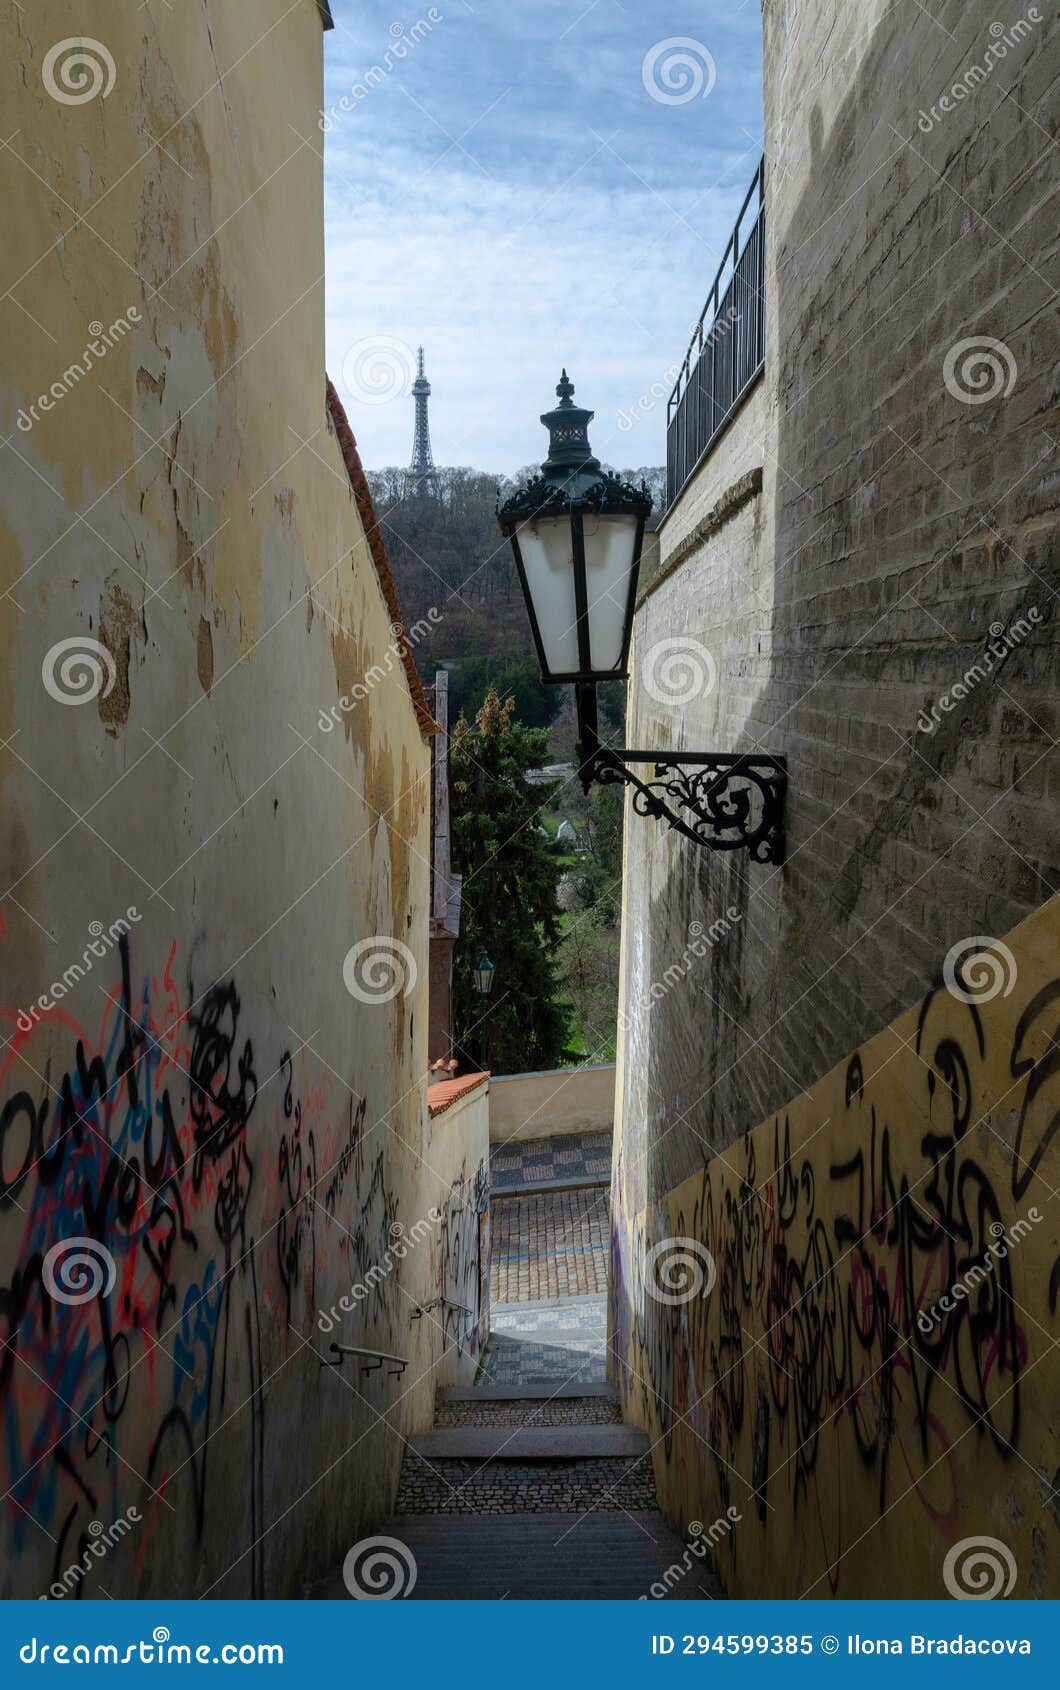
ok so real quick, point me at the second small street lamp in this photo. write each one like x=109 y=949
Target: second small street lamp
x=482 y=975
x=576 y=532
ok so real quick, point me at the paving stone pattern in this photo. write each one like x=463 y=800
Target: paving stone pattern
x=531 y=1487
x=547 y=1343
x=577 y=1156
x=554 y=1244
x=562 y=1411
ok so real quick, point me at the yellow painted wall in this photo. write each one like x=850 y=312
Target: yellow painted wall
x=798 y=1375
x=183 y=508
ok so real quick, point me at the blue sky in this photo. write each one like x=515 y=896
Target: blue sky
x=530 y=184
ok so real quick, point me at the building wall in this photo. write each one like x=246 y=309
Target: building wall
x=840 y=561
x=551 y=1103
x=174 y=1107
x=840 y=1334
x=896 y=526
x=458 y=1154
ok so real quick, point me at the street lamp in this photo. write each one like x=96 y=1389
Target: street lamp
x=482 y=973
x=576 y=532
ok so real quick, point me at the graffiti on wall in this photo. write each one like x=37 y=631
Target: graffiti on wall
x=885 y=1269
x=464 y=1262
x=167 y=1208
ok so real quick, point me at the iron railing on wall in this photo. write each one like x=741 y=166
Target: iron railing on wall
x=727 y=347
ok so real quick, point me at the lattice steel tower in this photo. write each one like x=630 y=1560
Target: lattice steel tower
x=422 y=461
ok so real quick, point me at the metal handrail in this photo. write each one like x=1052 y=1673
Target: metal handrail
x=368 y=1358
x=720 y=363
x=438 y=1303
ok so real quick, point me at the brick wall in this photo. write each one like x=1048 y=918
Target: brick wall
x=896 y=525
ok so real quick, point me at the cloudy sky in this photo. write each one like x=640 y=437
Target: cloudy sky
x=531 y=184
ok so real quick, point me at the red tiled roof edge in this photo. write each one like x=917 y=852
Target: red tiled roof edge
x=366 y=510
x=445 y=1093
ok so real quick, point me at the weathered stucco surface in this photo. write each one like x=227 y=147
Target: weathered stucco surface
x=185 y=504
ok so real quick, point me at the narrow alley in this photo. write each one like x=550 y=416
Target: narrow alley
x=529 y=1485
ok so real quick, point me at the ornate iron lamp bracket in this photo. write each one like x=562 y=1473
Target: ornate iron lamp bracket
x=724 y=801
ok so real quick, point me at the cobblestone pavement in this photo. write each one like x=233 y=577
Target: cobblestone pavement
x=577 y=1156
x=562 y=1411
x=529 y=1487
x=553 y=1244
x=556 y=1342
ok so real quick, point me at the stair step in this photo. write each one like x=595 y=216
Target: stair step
x=524 y=1393
x=546 y=1557
x=522 y=1443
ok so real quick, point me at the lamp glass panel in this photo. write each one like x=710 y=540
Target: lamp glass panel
x=548 y=562
x=609 y=547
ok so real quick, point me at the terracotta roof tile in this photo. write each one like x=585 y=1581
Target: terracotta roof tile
x=445 y=1093
x=373 y=533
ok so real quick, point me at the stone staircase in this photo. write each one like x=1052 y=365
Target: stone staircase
x=534 y=1492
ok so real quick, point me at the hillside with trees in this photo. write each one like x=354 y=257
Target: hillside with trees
x=546 y=909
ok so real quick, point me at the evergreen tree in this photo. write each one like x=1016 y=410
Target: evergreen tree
x=509 y=907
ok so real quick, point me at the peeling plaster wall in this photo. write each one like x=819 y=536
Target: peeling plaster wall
x=181 y=842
